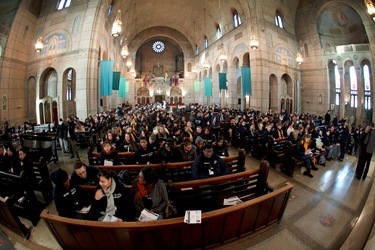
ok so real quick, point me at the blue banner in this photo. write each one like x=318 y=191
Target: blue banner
x=106 y=77
x=116 y=80
x=122 y=85
x=207 y=86
x=223 y=81
x=246 y=81
x=197 y=86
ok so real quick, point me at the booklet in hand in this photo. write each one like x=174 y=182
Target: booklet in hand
x=84 y=210
x=193 y=216
x=110 y=218
x=147 y=215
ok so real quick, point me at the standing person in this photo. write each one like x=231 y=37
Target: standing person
x=71 y=137
x=62 y=133
x=111 y=197
x=208 y=164
x=327 y=118
x=149 y=192
x=366 y=149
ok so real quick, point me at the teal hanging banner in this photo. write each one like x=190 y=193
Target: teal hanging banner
x=246 y=81
x=126 y=86
x=197 y=86
x=116 y=80
x=106 y=77
x=207 y=86
x=121 y=89
x=223 y=81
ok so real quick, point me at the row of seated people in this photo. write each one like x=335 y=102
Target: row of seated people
x=150 y=151
x=112 y=196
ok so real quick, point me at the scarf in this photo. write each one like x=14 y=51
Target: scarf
x=143 y=191
x=111 y=208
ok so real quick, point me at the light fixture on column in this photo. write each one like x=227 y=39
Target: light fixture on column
x=299 y=58
x=223 y=55
x=370 y=8
x=129 y=63
x=39 y=45
x=206 y=65
x=194 y=70
x=254 y=43
x=117 y=24
x=124 y=51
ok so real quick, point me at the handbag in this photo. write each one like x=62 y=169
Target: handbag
x=170 y=210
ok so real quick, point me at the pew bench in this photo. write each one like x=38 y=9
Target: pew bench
x=9 y=218
x=126 y=158
x=292 y=164
x=279 y=150
x=179 y=171
x=217 y=227
x=209 y=194
x=22 y=198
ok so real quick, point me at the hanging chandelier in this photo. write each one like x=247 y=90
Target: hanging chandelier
x=254 y=43
x=117 y=24
x=129 y=63
x=370 y=9
x=39 y=45
x=299 y=58
x=124 y=51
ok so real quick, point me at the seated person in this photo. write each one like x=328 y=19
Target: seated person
x=145 y=153
x=12 y=161
x=221 y=147
x=84 y=175
x=199 y=143
x=167 y=152
x=109 y=154
x=187 y=151
x=68 y=198
x=111 y=197
x=279 y=132
x=304 y=153
x=207 y=136
x=128 y=144
x=149 y=192
x=208 y=164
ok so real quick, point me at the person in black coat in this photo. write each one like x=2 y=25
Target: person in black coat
x=68 y=198
x=208 y=164
x=111 y=197
x=145 y=154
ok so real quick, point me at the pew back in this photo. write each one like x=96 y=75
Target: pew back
x=217 y=227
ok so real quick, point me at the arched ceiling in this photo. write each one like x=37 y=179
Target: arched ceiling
x=180 y=15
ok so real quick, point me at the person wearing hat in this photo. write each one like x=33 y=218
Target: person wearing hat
x=208 y=164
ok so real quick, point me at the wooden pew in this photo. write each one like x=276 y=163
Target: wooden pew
x=23 y=200
x=179 y=171
x=259 y=150
x=292 y=163
x=42 y=181
x=217 y=227
x=209 y=194
x=279 y=150
x=9 y=218
x=126 y=158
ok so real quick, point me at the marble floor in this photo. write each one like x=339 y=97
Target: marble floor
x=323 y=212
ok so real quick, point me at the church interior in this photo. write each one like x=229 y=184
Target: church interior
x=61 y=58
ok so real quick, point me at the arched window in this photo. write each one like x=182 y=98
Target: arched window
x=110 y=9
x=279 y=20
x=63 y=4
x=69 y=85
x=337 y=83
x=353 y=87
x=236 y=19
x=367 y=87
x=205 y=42
x=218 y=32
x=196 y=50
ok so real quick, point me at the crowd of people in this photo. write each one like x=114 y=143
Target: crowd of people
x=196 y=133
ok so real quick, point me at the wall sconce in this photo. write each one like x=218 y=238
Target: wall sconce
x=370 y=9
x=254 y=43
x=206 y=65
x=320 y=99
x=39 y=45
x=117 y=24
x=132 y=71
x=299 y=58
x=18 y=106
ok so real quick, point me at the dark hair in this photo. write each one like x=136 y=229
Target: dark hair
x=207 y=146
x=149 y=175
x=78 y=164
x=107 y=174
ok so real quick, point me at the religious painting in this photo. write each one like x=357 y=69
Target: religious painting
x=158 y=71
